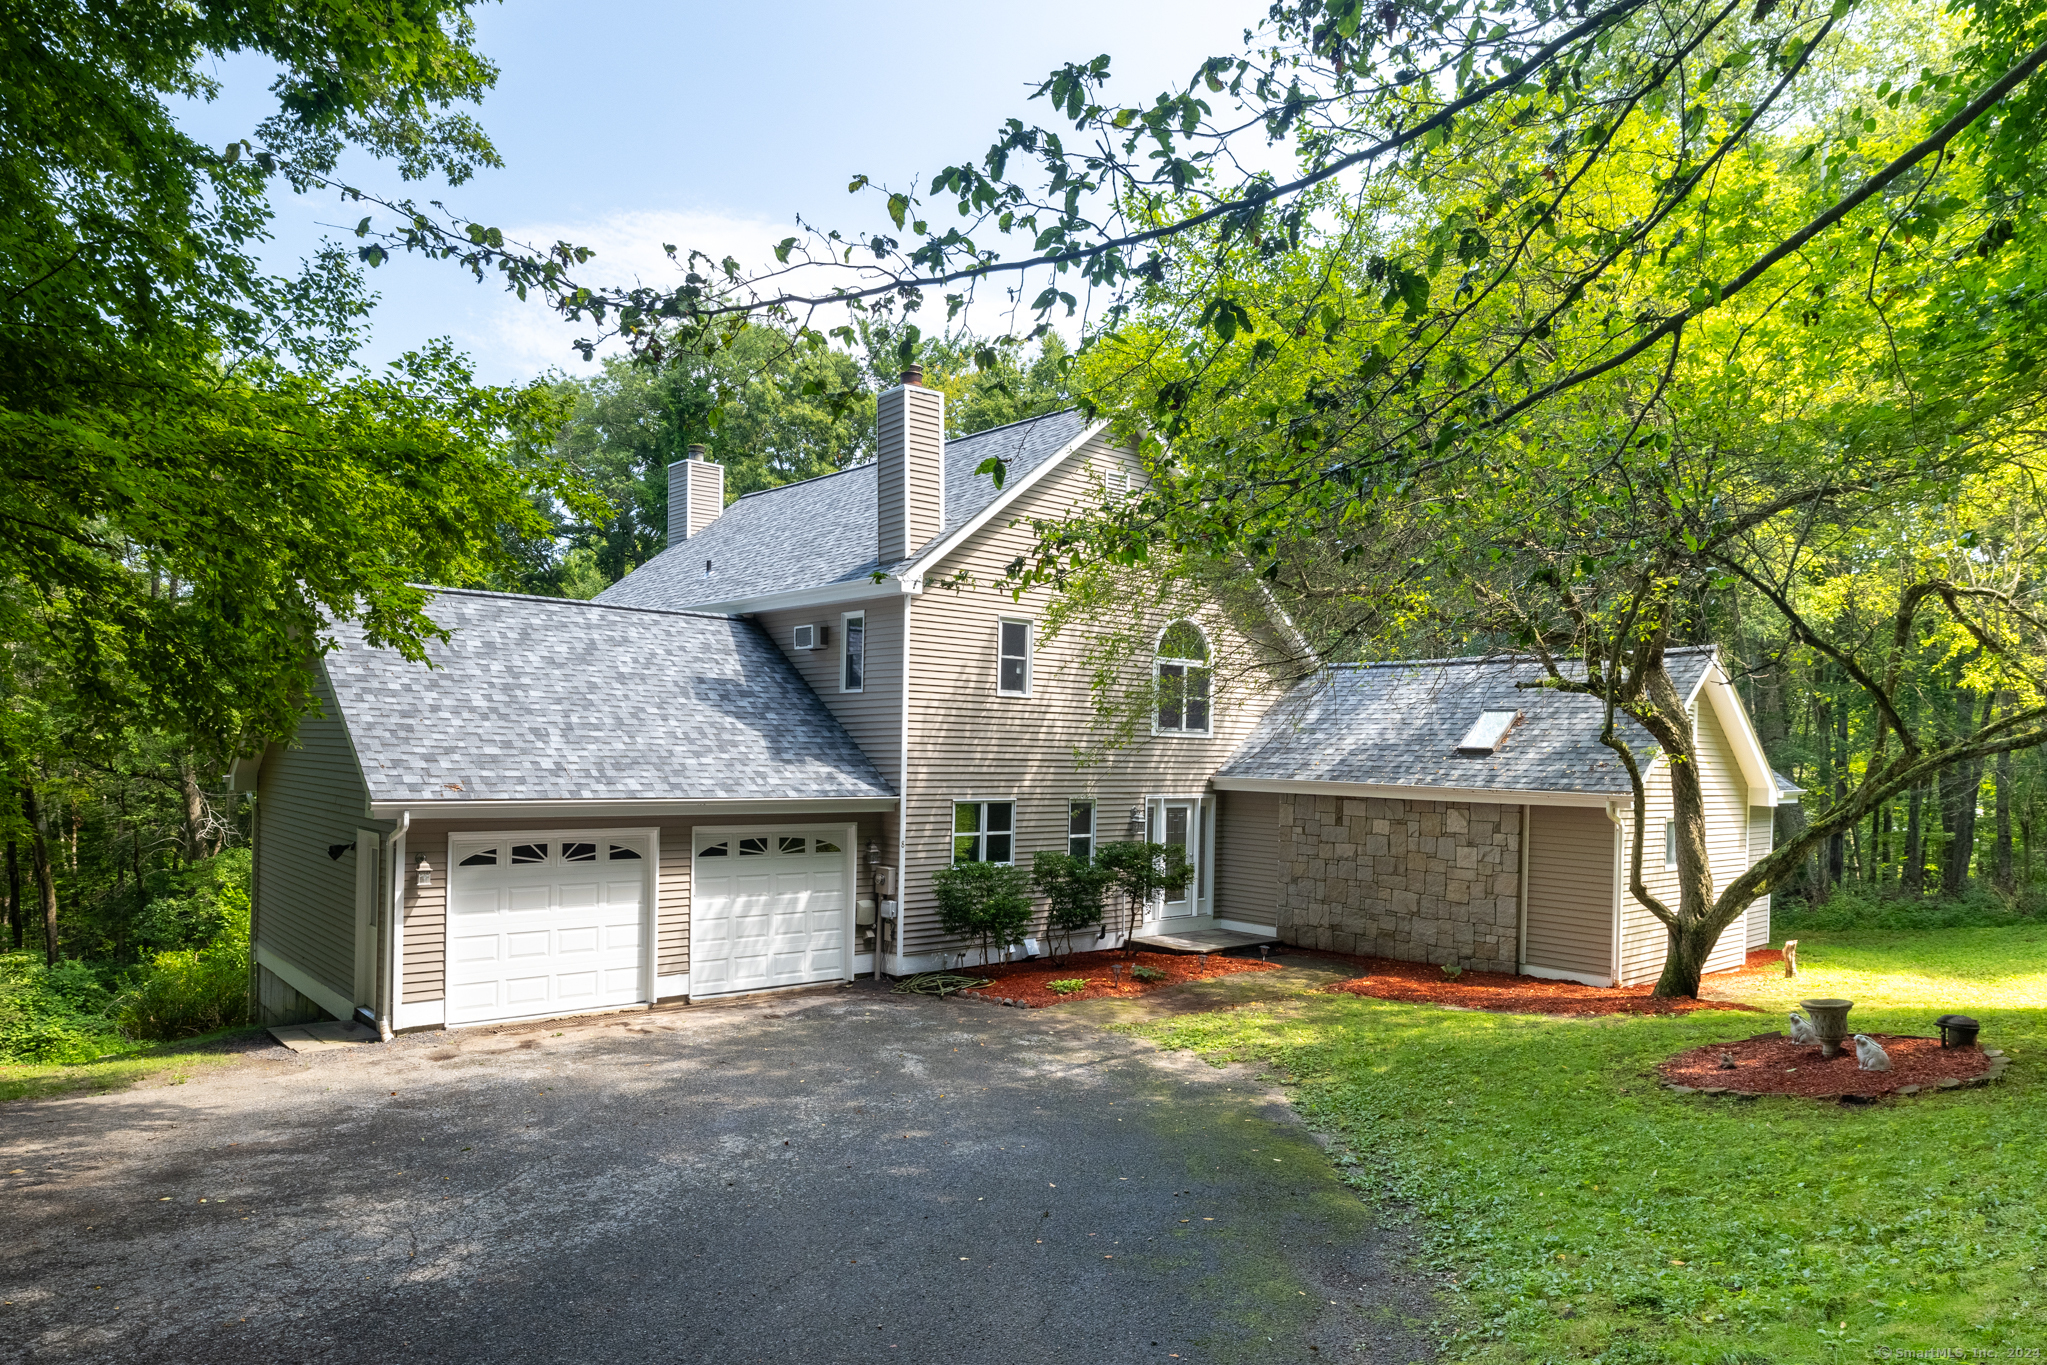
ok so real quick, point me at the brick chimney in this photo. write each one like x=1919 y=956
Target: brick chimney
x=696 y=495
x=909 y=466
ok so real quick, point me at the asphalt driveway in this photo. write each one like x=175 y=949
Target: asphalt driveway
x=841 y=1176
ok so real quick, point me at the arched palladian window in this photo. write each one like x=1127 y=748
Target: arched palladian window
x=1183 y=673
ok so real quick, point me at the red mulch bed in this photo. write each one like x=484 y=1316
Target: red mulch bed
x=1424 y=983
x=1023 y=983
x=1771 y=1064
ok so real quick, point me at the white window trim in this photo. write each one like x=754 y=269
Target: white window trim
x=1157 y=659
x=1029 y=654
x=1669 y=843
x=951 y=860
x=1094 y=822
x=846 y=617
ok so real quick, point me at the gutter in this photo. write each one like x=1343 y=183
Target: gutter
x=387 y=927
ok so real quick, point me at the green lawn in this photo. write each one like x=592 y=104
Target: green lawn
x=174 y=1061
x=1587 y=1214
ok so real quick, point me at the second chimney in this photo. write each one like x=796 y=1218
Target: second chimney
x=696 y=495
x=909 y=467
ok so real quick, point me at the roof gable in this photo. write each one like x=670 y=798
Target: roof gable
x=551 y=699
x=1399 y=724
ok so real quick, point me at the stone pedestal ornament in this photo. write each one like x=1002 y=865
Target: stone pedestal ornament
x=1829 y=1021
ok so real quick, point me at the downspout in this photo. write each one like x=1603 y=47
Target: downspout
x=387 y=927
x=1620 y=854
x=1521 y=929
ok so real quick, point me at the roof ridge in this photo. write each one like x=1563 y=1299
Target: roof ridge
x=1021 y=421
x=574 y=601
x=798 y=483
x=1476 y=659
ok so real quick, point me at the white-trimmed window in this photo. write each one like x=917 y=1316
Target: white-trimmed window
x=1183 y=674
x=853 y=651
x=1080 y=829
x=1670 y=843
x=1013 y=657
x=984 y=831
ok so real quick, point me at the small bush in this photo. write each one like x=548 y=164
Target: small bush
x=1144 y=973
x=1073 y=889
x=1073 y=986
x=987 y=902
x=1861 y=907
x=53 y=1014
x=195 y=990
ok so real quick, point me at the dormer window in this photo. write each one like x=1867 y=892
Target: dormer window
x=1488 y=732
x=1183 y=675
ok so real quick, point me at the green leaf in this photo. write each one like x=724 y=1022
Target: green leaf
x=898 y=208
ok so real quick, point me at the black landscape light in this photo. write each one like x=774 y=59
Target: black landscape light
x=1957 y=1030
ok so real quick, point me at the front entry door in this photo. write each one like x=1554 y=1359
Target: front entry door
x=1177 y=824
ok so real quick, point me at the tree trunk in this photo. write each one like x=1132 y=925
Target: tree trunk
x=1958 y=795
x=2001 y=864
x=14 y=916
x=195 y=811
x=1696 y=929
x=39 y=861
x=1827 y=857
x=1913 y=877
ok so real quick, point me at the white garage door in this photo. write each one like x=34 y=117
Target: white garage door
x=767 y=908
x=546 y=924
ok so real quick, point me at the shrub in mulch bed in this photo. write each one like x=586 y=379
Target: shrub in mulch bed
x=1771 y=1064
x=1028 y=983
x=1424 y=983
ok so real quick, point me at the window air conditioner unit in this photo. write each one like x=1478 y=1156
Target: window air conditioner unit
x=809 y=637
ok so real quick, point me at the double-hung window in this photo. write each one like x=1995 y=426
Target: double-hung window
x=853 y=643
x=1080 y=829
x=1183 y=674
x=1013 y=658
x=984 y=831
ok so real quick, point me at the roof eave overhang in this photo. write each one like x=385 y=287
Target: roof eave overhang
x=865 y=589
x=458 y=811
x=1501 y=796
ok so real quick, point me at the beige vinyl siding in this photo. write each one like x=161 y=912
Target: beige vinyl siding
x=968 y=743
x=873 y=716
x=310 y=795
x=426 y=923
x=1570 y=890
x=1247 y=857
x=1762 y=835
x=1644 y=940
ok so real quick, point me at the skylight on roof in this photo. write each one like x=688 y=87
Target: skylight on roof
x=1487 y=732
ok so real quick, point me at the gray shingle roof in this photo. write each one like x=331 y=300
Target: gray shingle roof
x=822 y=531
x=1398 y=724
x=549 y=699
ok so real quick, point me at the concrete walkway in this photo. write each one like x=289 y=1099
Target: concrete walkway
x=846 y=1176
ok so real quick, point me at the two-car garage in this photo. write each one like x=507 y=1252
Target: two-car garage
x=553 y=922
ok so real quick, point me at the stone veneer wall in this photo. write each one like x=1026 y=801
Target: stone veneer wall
x=1419 y=881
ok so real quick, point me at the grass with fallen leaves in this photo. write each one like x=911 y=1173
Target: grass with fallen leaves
x=1588 y=1215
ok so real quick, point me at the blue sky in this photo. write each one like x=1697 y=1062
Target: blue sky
x=625 y=124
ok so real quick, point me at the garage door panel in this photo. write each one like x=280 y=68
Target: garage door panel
x=476 y=948
x=541 y=930
x=778 y=922
x=525 y=990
